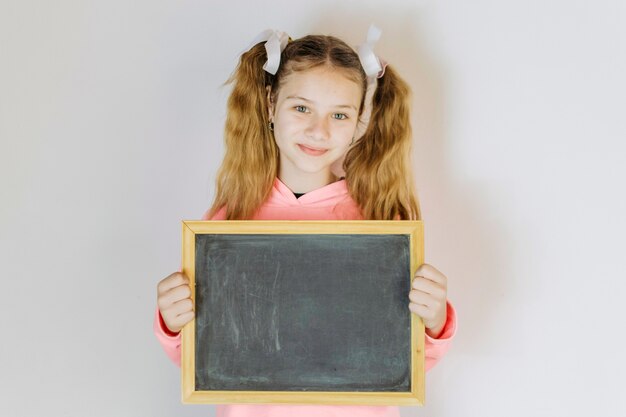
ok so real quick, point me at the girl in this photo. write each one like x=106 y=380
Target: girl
x=315 y=131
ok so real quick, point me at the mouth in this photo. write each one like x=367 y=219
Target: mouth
x=312 y=151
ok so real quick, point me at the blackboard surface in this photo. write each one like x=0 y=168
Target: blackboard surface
x=302 y=312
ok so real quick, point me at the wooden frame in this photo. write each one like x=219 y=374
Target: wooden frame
x=413 y=229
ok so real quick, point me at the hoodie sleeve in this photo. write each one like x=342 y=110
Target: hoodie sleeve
x=437 y=348
x=169 y=341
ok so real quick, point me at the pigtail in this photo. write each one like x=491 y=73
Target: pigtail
x=249 y=168
x=377 y=167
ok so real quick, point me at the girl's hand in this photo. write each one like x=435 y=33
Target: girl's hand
x=428 y=297
x=173 y=299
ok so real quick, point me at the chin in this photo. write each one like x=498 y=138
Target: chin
x=311 y=166
x=313 y=169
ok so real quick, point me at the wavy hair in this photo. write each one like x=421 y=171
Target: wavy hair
x=377 y=166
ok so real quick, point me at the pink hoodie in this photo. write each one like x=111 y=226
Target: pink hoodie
x=331 y=202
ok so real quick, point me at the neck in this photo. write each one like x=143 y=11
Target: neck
x=308 y=182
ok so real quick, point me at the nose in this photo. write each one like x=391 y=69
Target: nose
x=318 y=128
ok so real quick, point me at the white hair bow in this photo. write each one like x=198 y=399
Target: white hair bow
x=374 y=67
x=276 y=41
x=372 y=64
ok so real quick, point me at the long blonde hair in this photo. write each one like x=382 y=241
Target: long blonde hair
x=377 y=167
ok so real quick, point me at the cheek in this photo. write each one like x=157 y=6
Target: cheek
x=283 y=132
x=279 y=138
x=282 y=137
x=288 y=118
x=347 y=131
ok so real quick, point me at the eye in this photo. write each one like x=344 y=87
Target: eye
x=300 y=107
x=344 y=116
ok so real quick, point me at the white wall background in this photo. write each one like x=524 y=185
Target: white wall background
x=111 y=121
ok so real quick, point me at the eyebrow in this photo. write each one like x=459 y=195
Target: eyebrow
x=347 y=106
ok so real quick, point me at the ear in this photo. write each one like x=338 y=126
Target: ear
x=270 y=105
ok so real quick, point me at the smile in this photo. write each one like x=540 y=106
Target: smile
x=312 y=151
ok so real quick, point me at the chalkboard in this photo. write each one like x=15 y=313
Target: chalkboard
x=302 y=312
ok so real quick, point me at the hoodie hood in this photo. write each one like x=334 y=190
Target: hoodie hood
x=330 y=202
x=326 y=196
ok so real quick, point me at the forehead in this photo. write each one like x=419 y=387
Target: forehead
x=321 y=85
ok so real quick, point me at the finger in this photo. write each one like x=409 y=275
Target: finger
x=430 y=272
x=181 y=307
x=172 y=296
x=172 y=313
x=428 y=268
x=427 y=300
x=422 y=311
x=174 y=280
x=428 y=286
x=435 y=305
x=419 y=297
x=184 y=318
x=179 y=322
x=424 y=284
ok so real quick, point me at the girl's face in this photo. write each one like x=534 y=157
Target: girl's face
x=315 y=117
